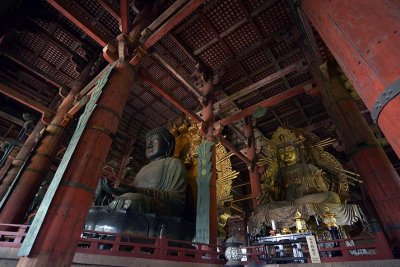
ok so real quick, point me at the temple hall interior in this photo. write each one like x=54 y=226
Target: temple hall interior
x=199 y=132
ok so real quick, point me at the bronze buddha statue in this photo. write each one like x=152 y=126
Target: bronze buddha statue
x=158 y=192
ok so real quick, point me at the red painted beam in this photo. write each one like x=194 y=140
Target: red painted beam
x=4 y=89
x=67 y=11
x=234 y=150
x=172 y=22
x=110 y=9
x=145 y=77
x=267 y=80
x=272 y=101
x=124 y=16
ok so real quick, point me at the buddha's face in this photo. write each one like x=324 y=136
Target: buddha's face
x=288 y=154
x=156 y=148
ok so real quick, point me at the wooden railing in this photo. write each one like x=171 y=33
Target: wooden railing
x=350 y=249
x=12 y=235
x=146 y=247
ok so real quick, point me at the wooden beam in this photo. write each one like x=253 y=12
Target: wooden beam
x=234 y=150
x=272 y=101
x=267 y=80
x=4 y=89
x=29 y=66
x=67 y=11
x=11 y=118
x=167 y=95
x=172 y=22
x=124 y=7
x=110 y=9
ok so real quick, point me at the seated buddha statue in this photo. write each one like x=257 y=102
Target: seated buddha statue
x=157 y=191
x=160 y=186
x=300 y=176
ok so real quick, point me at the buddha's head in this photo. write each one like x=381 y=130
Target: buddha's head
x=288 y=154
x=160 y=143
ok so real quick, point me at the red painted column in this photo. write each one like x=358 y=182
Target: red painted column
x=381 y=184
x=255 y=182
x=208 y=118
x=58 y=237
x=18 y=204
x=364 y=38
x=16 y=163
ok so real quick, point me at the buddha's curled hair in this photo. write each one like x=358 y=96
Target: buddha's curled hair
x=166 y=136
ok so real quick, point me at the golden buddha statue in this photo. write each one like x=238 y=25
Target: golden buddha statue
x=301 y=177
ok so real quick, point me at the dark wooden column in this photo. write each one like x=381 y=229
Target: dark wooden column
x=255 y=182
x=381 y=184
x=208 y=118
x=17 y=205
x=364 y=38
x=10 y=174
x=57 y=239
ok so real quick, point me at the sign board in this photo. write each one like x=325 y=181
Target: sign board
x=313 y=249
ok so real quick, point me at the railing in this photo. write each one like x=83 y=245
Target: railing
x=12 y=235
x=146 y=247
x=350 y=249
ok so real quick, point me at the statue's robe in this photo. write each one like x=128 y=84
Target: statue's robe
x=160 y=188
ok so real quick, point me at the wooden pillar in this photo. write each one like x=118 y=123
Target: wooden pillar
x=255 y=182
x=18 y=204
x=364 y=38
x=208 y=118
x=11 y=172
x=57 y=239
x=381 y=184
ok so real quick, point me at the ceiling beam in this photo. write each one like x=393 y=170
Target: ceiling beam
x=11 y=118
x=272 y=101
x=4 y=89
x=29 y=66
x=168 y=96
x=124 y=7
x=172 y=22
x=110 y=9
x=267 y=80
x=67 y=11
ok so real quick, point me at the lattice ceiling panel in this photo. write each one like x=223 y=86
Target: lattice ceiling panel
x=274 y=18
x=300 y=78
x=224 y=13
x=281 y=48
x=147 y=97
x=252 y=5
x=242 y=39
x=215 y=55
x=52 y=55
x=157 y=105
x=180 y=93
x=70 y=68
x=293 y=118
x=290 y=60
x=264 y=73
x=237 y=87
x=137 y=103
x=156 y=71
x=306 y=100
x=269 y=127
x=270 y=91
x=314 y=109
x=196 y=34
x=267 y=117
x=231 y=74
x=30 y=41
x=256 y=60
x=285 y=107
x=251 y=101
